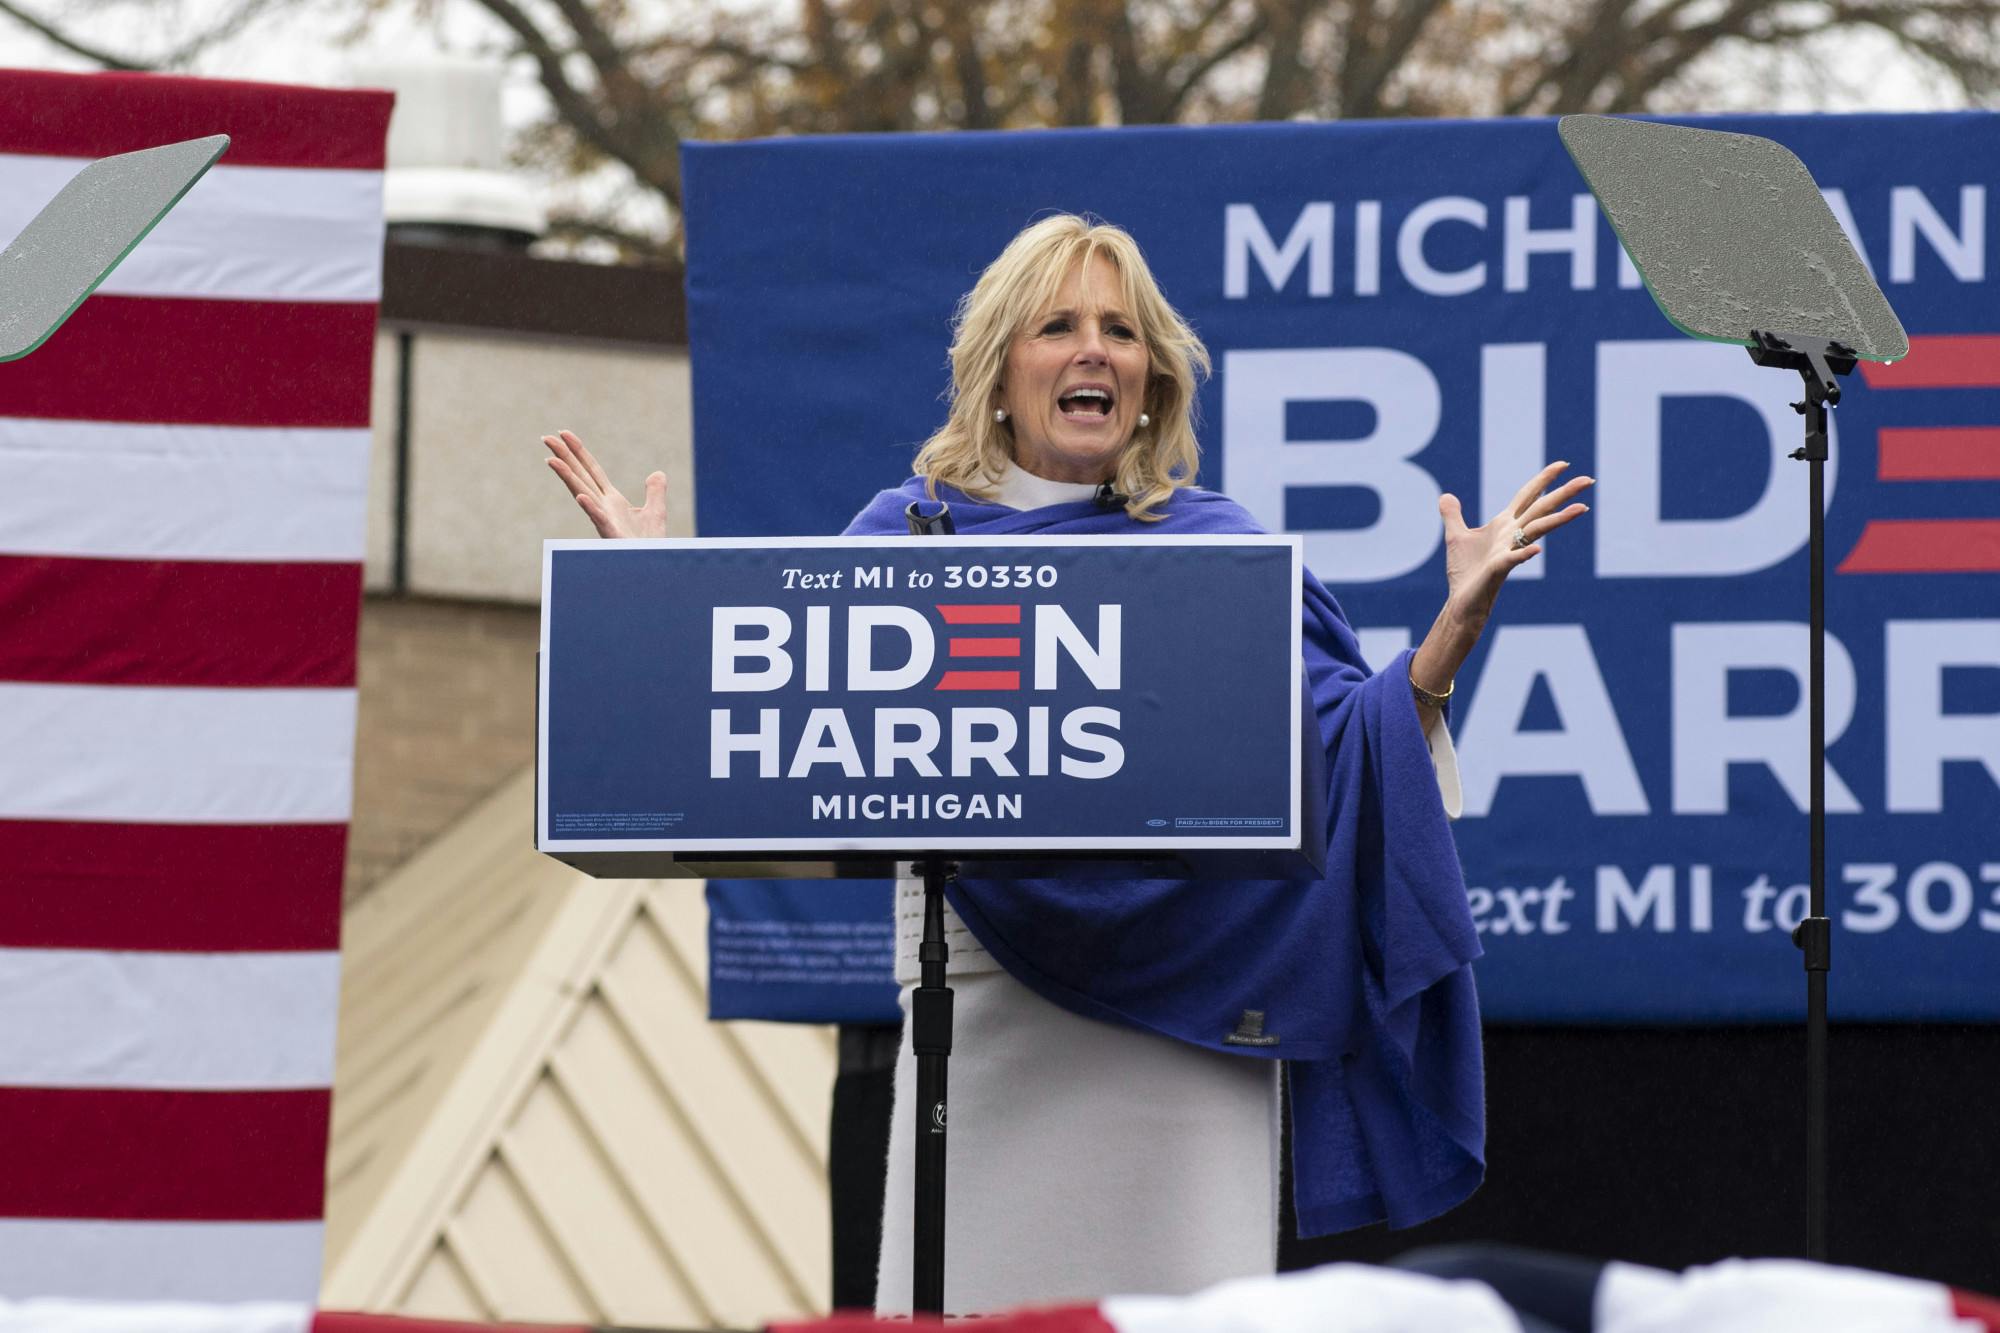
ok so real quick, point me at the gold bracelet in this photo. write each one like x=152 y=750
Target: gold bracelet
x=1426 y=698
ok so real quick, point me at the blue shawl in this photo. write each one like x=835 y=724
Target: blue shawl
x=1363 y=976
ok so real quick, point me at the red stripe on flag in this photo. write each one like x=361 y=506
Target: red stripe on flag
x=215 y=363
x=1956 y=361
x=980 y=680
x=1940 y=453
x=144 y=1155
x=980 y=615
x=1050 y=1319
x=193 y=888
x=268 y=124
x=985 y=647
x=1926 y=546
x=1971 y=1305
x=212 y=623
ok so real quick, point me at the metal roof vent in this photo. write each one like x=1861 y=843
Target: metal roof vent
x=447 y=181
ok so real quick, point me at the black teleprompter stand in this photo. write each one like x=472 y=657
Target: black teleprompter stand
x=930 y=1039
x=1728 y=231
x=1819 y=362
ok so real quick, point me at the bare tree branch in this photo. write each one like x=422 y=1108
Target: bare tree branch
x=1286 y=85
x=232 y=22
x=632 y=246
x=1367 y=67
x=71 y=44
x=63 y=32
x=961 y=29
x=1184 y=82
x=651 y=147
x=1966 y=45
x=578 y=112
x=1663 y=54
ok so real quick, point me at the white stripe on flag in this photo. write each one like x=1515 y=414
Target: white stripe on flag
x=1761 y=1294
x=161 y=1261
x=248 y=233
x=95 y=488
x=87 y=1018
x=176 y=755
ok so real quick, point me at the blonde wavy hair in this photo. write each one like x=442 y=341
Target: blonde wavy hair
x=971 y=450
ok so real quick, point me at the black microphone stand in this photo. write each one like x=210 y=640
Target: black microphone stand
x=1818 y=361
x=930 y=1039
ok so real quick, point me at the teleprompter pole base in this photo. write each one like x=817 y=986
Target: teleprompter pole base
x=930 y=1039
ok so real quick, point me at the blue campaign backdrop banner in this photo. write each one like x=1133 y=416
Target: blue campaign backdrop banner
x=1401 y=309
x=1086 y=693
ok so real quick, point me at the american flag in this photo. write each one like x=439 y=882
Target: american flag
x=183 y=476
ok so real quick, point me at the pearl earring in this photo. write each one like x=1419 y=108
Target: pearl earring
x=1144 y=421
x=999 y=415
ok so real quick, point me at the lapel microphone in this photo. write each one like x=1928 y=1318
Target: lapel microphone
x=1110 y=499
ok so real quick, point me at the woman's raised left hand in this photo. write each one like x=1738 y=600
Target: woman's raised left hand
x=604 y=504
x=1478 y=560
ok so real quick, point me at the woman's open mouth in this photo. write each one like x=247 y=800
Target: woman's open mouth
x=1085 y=404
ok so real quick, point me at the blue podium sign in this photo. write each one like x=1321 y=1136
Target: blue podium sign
x=737 y=700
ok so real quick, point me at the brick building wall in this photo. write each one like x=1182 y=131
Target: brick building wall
x=447 y=713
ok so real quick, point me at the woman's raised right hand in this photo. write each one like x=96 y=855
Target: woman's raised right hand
x=610 y=512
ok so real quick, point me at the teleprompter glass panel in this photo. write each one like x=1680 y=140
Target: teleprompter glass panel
x=1731 y=234
x=93 y=222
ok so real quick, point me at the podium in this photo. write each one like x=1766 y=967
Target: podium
x=835 y=707
x=804 y=708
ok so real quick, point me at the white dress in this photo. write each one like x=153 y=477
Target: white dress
x=1085 y=1160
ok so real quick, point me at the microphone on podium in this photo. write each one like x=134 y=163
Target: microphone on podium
x=921 y=524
